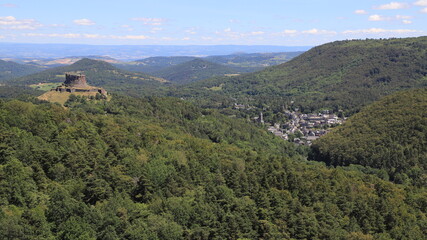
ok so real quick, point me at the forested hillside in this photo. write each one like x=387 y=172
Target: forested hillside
x=161 y=168
x=390 y=134
x=339 y=75
x=192 y=71
x=153 y=64
x=10 y=70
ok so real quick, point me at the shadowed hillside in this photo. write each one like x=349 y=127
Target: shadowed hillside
x=10 y=70
x=390 y=134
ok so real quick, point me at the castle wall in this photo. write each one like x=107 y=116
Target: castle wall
x=72 y=80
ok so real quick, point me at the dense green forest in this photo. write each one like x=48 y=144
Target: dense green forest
x=338 y=75
x=390 y=134
x=161 y=168
x=192 y=71
x=10 y=70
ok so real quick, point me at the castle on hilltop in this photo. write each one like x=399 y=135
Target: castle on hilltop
x=76 y=82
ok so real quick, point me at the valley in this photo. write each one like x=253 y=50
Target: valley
x=329 y=143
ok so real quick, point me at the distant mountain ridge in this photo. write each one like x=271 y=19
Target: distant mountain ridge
x=131 y=52
x=194 y=70
x=241 y=62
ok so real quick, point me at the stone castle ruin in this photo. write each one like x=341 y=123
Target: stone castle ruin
x=76 y=82
x=72 y=80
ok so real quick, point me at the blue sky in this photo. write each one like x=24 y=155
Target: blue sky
x=208 y=22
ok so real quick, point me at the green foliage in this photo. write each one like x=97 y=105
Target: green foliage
x=10 y=70
x=340 y=75
x=192 y=71
x=390 y=134
x=161 y=168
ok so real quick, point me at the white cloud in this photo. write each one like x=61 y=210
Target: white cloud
x=380 y=30
x=65 y=35
x=127 y=27
x=10 y=22
x=155 y=29
x=95 y=36
x=400 y=17
x=85 y=36
x=290 y=32
x=56 y=25
x=186 y=39
x=406 y=21
x=151 y=21
x=227 y=30
x=191 y=31
x=315 y=31
x=376 y=18
x=361 y=12
x=424 y=10
x=422 y=3
x=84 y=22
x=131 y=37
x=392 y=6
x=257 y=33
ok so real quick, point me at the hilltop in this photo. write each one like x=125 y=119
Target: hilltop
x=390 y=134
x=100 y=73
x=193 y=71
x=339 y=75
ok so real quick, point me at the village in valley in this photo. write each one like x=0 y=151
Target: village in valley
x=300 y=128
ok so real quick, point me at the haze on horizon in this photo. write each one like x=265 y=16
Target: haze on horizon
x=237 y=22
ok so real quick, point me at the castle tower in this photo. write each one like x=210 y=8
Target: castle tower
x=73 y=80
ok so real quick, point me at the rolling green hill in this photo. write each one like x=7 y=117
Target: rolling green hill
x=339 y=75
x=193 y=71
x=153 y=64
x=251 y=62
x=98 y=73
x=161 y=168
x=10 y=70
x=241 y=62
x=390 y=134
